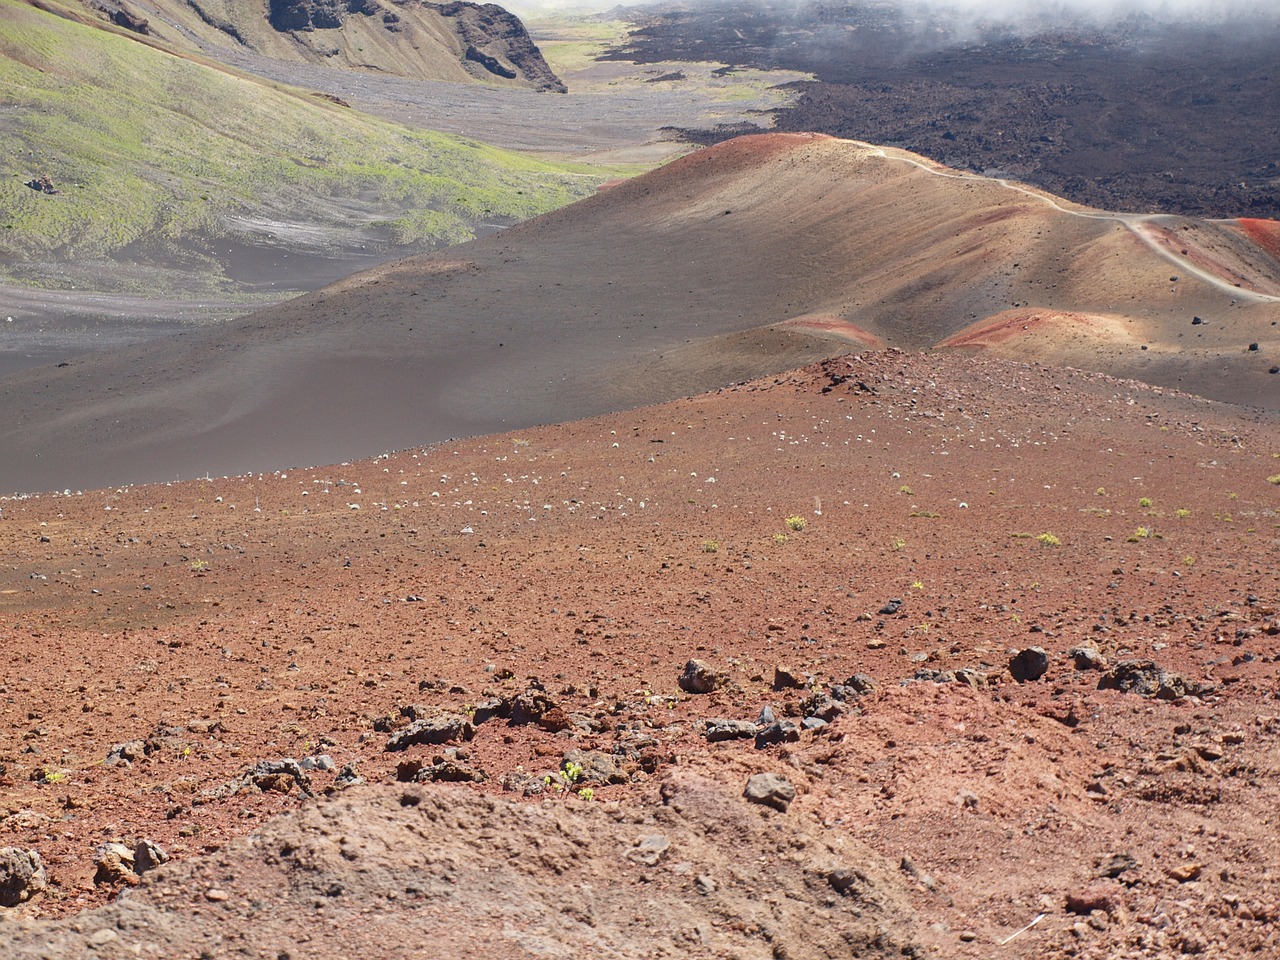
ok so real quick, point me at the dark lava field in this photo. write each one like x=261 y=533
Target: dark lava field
x=1140 y=115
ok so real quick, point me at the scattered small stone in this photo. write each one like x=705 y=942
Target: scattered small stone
x=700 y=677
x=771 y=790
x=348 y=776
x=649 y=850
x=321 y=761
x=1087 y=658
x=597 y=767
x=967 y=936
x=891 y=607
x=22 y=876
x=490 y=709
x=270 y=775
x=766 y=715
x=720 y=730
x=147 y=855
x=858 y=685
x=1116 y=864
x=788 y=678
x=126 y=754
x=1097 y=896
x=784 y=731
x=823 y=706
x=1185 y=872
x=813 y=723
x=1029 y=664
x=216 y=896
x=534 y=706
x=115 y=863
x=843 y=879
x=706 y=884
x=100 y=938
x=446 y=770
x=516 y=781
x=42 y=184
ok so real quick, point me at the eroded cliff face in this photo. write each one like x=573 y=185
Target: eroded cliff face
x=492 y=41
x=496 y=42
x=456 y=41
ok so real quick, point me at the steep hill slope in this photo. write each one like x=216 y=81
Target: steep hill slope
x=162 y=163
x=744 y=259
x=458 y=41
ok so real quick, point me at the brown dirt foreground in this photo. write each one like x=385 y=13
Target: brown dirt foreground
x=913 y=519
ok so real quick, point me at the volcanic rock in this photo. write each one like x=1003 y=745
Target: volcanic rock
x=771 y=790
x=700 y=677
x=1029 y=664
x=22 y=875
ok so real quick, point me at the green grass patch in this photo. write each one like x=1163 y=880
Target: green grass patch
x=145 y=146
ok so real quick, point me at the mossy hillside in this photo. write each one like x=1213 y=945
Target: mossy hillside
x=145 y=145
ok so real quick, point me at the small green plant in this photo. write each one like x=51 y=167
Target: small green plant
x=1049 y=540
x=1275 y=480
x=710 y=546
x=1182 y=513
x=1142 y=533
x=586 y=793
x=1101 y=491
x=780 y=538
x=1145 y=503
x=795 y=522
x=917 y=585
x=905 y=489
x=897 y=543
x=1189 y=560
x=199 y=566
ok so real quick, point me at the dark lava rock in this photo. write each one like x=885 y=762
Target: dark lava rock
x=534 y=706
x=785 y=678
x=890 y=608
x=1029 y=664
x=1147 y=679
x=784 y=731
x=441 y=729
x=823 y=706
x=860 y=685
x=771 y=790
x=700 y=677
x=489 y=709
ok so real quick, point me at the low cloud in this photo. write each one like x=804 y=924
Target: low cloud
x=1101 y=10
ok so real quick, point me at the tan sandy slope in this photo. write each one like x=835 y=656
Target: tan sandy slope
x=684 y=279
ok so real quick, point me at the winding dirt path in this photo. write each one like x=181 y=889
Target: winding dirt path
x=1135 y=222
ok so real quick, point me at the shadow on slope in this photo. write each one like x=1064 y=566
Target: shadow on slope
x=625 y=298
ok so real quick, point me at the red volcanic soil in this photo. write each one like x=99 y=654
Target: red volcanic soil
x=1016 y=326
x=869 y=539
x=1265 y=233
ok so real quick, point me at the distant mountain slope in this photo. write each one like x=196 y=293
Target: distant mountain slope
x=748 y=258
x=458 y=41
x=156 y=158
